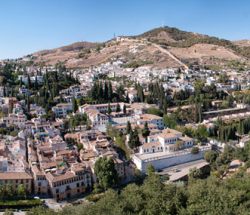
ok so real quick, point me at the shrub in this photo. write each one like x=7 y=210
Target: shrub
x=195 y=150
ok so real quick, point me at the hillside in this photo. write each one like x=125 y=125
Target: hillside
x=160 y=47
x=242 y=43
x=129 y=50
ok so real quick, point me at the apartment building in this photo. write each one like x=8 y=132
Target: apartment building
x=14 y=119
x=62 y=109
x=41 y=185
x=69 y=184
x=102 y=108
x=14 y=179
x=150 y=119
x=168 y=140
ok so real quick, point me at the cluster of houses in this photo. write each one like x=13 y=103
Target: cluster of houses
x=14 y=167
x=49 y=162
x=118 y=114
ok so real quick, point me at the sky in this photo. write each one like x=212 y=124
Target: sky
x=27 y=26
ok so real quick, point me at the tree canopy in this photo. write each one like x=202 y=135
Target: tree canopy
x=106 y=173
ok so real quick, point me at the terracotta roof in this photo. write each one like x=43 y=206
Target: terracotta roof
x=14 y=175
x=56 y=178
x=149 y=117
x=185 y=138
x=37 y=171
x=88 y=155
x=150 y=145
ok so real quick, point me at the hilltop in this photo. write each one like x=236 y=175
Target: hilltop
x=160 y=47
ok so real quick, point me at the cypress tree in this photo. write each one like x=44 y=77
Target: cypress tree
x=106 y=91
x=145 y=131
x=29 y=82
x=118 y=108
x=74 y=105
x=124 y=109
x=36 y=84
x=128 y=128
x=110 y=91
x=109 y=109
x=127 y=98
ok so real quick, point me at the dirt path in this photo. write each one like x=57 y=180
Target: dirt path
x=170 y=55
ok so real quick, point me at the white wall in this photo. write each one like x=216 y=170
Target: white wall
x=167 y=162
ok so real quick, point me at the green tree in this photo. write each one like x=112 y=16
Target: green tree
x=125 y=109
x=106 y=173
x=74 y=105
x=145 y=130
x=109 y=109
x=36 y=84
x=128 y=128
x=21 y=191
x=29 y=82
x=195 y=173
x=118 y=108
x=210 y=156
x=150 y=170
x=110 y=91
x=134 y=140
x=170 y=121
x=155 y=111
x=8 y=212
x=28 y=103
x=195 y=150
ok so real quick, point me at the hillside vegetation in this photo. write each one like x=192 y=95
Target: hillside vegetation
x=188 y=47
x=210 y=196
x=184 y=39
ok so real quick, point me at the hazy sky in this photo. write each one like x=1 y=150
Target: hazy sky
x=31 y=25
